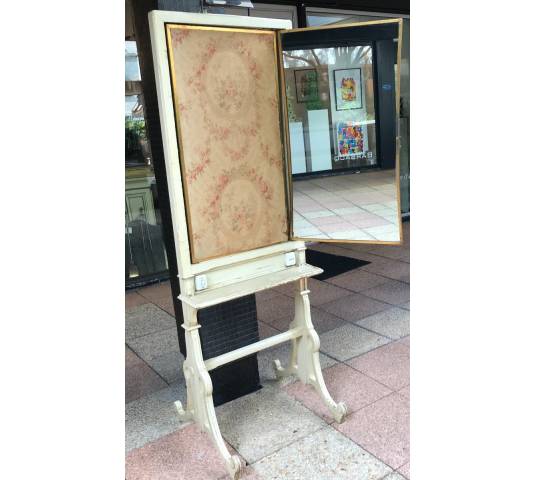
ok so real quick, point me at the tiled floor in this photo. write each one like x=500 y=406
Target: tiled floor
x=283 y=431
x=359 y=207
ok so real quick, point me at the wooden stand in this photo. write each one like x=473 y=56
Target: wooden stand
x=218 y=280
x=304 y=359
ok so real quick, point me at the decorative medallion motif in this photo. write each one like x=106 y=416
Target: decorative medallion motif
x=227 y=105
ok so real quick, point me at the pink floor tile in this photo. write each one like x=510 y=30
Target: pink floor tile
x=133 y=299
x=388 y=365
x=166 y=304
x=370 y=222
x=404 y=470
x=359 y=216
x=304 y=203
x=338 y=227
x=187 y=454
x=337 y=204
x=404 y=392
x=309 y=208
x=344 y=384
x=382 y=428
x=156 y=291
x=320 y=221
x=141 y=380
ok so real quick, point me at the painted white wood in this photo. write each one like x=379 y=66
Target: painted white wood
x=208 y=298
x=319 y=140
x=232 y=276
x=297 y=147
x=304 y=358
x=242 y=352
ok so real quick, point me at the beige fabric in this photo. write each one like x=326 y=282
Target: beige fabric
x=226 y=98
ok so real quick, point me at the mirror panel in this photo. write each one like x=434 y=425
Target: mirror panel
x=341 y=92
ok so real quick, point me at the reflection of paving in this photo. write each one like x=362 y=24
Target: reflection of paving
x=283 y=431
x=358 y=207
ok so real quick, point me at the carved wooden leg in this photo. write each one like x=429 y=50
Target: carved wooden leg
x=304 y=359
x=200 y=406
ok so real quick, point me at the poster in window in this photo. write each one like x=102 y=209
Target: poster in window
x=306 y=85
x=348 y=89
x=226 y=96
x=349 y=139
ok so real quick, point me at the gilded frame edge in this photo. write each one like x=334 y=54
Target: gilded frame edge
x=157 y=21
x=175 y=97
x=280 y=33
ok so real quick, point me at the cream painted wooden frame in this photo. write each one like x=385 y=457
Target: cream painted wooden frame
x=233 y=276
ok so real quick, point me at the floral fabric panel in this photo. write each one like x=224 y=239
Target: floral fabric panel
x=227 y=102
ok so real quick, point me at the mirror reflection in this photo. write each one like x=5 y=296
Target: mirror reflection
x=341 y=112
x=360 y=206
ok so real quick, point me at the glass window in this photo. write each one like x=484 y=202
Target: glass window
x=315 y=20
x=330 y=96
x=144 y=245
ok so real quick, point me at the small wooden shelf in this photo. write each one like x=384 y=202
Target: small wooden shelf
x=208 y=298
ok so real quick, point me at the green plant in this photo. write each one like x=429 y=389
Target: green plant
x=134 y=133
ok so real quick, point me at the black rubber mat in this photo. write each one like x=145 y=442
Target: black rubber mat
x=332 y=264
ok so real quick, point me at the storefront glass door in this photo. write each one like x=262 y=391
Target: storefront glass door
x=145 y=256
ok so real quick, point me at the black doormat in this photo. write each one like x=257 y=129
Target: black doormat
x=332 y=264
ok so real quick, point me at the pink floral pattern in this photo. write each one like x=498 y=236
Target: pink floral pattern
x=231 y=144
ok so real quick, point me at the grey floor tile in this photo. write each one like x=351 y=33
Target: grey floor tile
x=405 y=305
x=345 y=251
x=355 y=307
x=266 y=330
x=154 y=345
x=392 y=323
x=282 y=353
x=145 y=319
x=275 y=308
x=260 y=423
x=322 y=321
x=394 y=252
x=322 y=455
x=287 y=289
x=393 y=269
x=169 y=366
x=131 y=359
x=394 y=476
x=322 y=292
x=357 y=247
x=153 y=416
x=349 y=341
x=358 y=280
x=267 y=294
x=141 y=380
x=393 y=292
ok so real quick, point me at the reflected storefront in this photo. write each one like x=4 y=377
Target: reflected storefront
x=318 y=17
x=331 y=110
